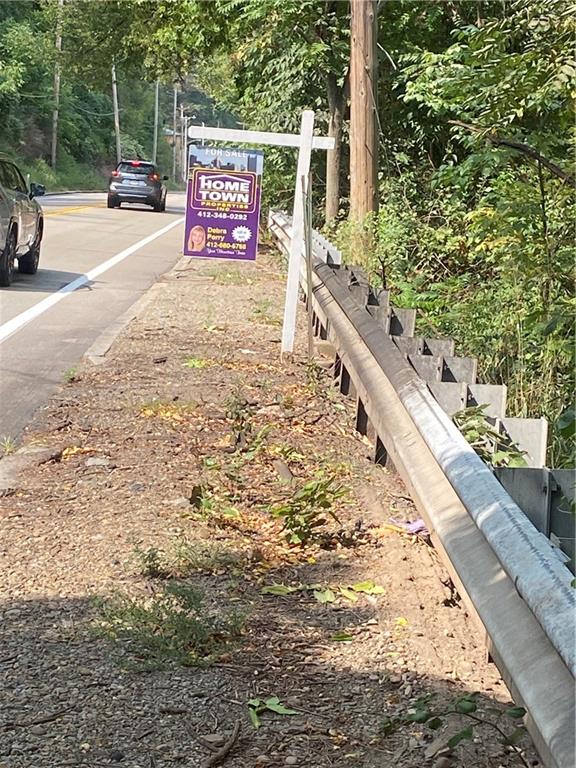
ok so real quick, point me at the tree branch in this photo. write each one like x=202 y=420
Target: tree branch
x=526 y=149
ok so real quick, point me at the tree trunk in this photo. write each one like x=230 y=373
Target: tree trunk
x=336 y=109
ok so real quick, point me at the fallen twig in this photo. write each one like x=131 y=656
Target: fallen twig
x=38 y=721
x=221 y=754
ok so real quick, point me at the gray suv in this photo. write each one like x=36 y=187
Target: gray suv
x=137 y=181
x=21 y=223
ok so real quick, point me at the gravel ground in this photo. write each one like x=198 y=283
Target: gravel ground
x=160 y=470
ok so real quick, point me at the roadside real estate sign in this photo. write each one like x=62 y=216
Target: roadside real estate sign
x=223 y=203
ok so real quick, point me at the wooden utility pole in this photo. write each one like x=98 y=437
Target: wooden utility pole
x=156 y=112
x=57 y=70
x=363 y=118
x=116 y=115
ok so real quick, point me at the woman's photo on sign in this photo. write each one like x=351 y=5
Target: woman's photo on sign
x=197 y=239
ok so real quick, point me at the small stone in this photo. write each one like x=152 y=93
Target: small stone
x=181 y=501
x=443 y=762
x=291 y=760
x=38 y=730
x=262 y=760
x=96 y=462
x=12 y=613
x=116 y=756
x=395 y=679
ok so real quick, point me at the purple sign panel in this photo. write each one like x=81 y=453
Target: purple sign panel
x=223 y=203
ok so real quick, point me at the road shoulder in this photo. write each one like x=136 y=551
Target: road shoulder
x=175 y=464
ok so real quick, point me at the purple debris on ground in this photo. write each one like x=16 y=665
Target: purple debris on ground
x=418 y=526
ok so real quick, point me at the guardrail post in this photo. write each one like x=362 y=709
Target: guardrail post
x=362 y=420
x=346 y=386
x=337 y=370
x=381 y=454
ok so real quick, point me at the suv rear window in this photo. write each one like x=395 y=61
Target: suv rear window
x=144 y=168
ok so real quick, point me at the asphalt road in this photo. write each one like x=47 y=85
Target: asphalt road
x=95 y=263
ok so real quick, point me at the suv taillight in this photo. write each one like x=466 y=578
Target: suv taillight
x=115 y=173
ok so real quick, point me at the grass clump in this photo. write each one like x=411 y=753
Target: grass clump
x=196 y=363
x=70 y=375
x=7 y=445
x=230 y=277
x=186 y=557
x=263 y=312
x=174 y=626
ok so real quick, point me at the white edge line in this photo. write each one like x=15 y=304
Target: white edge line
x=16 y=323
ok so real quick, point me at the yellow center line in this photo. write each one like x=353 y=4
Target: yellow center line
x=72 y=209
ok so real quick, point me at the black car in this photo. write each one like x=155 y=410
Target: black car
x=137 y=181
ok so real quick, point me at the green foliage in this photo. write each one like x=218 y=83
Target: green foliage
x=276 y=57
x=476 y=236
x=305 y=511
x=464 y=710
x=495 y=448
x=467 y=707
x=173 y=626
x=482 y=272
x=256 y=707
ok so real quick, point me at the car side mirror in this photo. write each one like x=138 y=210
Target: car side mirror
x=165 y=178
x=37 y=190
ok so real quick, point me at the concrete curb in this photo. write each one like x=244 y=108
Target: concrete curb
x=96 y=354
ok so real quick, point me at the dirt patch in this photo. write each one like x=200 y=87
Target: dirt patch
x=153 y=596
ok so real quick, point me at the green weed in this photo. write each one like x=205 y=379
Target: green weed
x=306 y=510
x=240 y=412
x=195 y=362
x=7 y=445
x=263 y=313
x=185 y=557
x=207 y=504
x=504 y=721
x=70 y=375
x=151 y=563
x=174 y=626
x=230 y=277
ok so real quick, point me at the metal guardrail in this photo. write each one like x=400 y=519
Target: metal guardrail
x=507 y=572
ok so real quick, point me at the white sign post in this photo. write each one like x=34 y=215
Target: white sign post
x=306 y=142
